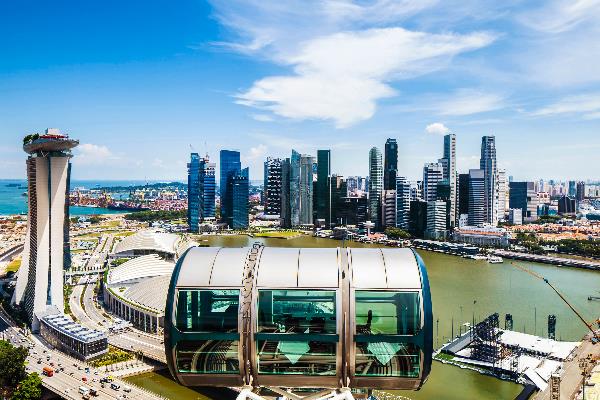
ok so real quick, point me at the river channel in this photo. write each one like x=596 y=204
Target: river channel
x=462 y=289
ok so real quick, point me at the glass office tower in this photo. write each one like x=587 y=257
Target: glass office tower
x=230 y=166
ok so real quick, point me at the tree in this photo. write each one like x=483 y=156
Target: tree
x=12 y=366
x=30 y=388
x=396 y=233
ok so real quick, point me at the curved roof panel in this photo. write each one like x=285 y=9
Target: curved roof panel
x=278 y=267
x=151 y=293
x=149 y=240
x=367 y=268
x=401 y=269
x=197 y=266
x=228 y=268
x=139 y=268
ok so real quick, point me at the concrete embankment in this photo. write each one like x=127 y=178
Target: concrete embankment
x=567 y=262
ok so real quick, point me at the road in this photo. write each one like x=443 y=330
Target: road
x=92 y=317
x=66 y=383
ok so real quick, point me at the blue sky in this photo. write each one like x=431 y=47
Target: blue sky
x=139 y=82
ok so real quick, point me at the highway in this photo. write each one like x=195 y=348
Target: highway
x=92 y=317
x=67 y=381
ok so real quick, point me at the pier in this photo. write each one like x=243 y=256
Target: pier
x=567 y=262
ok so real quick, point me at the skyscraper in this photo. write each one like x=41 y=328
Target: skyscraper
x=572 y=189
x=286 y=213
x=323 y=189
x=463 y=194
x=524 y=196
x=502 y=194
x=580 y=191
x=46 y=250
x=295 y=188
x=306 y=190
x=209 y=189
x=388 y=208
x=450 y=173
x=230 y=166
x=194 y=210
x=390 y=169
x=273 y=186
x=477 y=215
x=238 y=186
x=375 y=184
x=488 y=164
x=403 y=198
x=432 y=174
x=437 y=216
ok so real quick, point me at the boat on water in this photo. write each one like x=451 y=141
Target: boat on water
x=477 y=257
x=495 y=260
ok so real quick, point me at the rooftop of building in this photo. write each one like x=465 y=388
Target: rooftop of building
x=139 y=268
x=150 y=240
x=50 y=141
x=63 y=323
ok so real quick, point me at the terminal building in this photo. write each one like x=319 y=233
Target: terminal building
x=136 y=291
x=69 y=337
x=299 y=318
x=167 y=245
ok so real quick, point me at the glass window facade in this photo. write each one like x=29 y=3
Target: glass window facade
x=213 y=314
x=297 y=333
x=383 y=318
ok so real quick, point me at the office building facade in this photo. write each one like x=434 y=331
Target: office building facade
x=524 y=196
x=437 y=212
x=449 y=165
x=375 y=184
x=273 y=186
x=194 y=193
x=433 y=173
x=390 y=169
x=418 y=218
x=388 y=208
x=323 y=189
x=567 y=205
x=230 y=166
x=285 y=219
x=477 y=210
x=488 y=164
x=403 y=199
x=580 y=191
x=238 y=186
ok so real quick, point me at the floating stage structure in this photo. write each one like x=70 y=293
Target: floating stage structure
x=282 y=319
x=507 y=354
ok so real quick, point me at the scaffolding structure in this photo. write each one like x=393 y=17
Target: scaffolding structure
x=552 y=327
x=485 y=346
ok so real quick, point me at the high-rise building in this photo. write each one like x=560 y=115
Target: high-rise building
x=463 y=194
x=572 y=189
x=323 y=190
x=418 y=218
x=194 y=211
x=390 y=169
x=567 y=205
x=339 y=190
x=272 y=186
x=209 y=190
x=295 y=188
x=375 y=184
x=477 y=215
x=46 y=252
x=450 y=174
x=432 y=174
x=351 y=211
x=437 y=216
x=502 y=194
x=444 y=193
x=238 y=186
x=515 y=216
x=524 y=196
x=306 y=190
x=580 y=191
x=403 y=199
x=388 y=208
x=230 y=166
x=286 y=213
x=487 y=163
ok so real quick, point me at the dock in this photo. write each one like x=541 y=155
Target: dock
x=567 y=262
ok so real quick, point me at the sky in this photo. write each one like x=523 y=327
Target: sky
x=141 y=84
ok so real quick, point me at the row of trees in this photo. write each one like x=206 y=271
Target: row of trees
x=152 y=216
x=15 y=382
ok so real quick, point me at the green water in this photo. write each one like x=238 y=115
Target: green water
x=460 y=289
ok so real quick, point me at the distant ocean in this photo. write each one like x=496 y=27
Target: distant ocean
x=13 y=202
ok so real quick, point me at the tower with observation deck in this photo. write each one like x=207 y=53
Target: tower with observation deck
x=46 y=252
x=331 y=319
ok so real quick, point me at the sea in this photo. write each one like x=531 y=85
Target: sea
x=13 y=199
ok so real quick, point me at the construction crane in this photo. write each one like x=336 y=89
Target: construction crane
x=596 y=338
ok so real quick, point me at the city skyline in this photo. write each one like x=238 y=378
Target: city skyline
x=138 y=97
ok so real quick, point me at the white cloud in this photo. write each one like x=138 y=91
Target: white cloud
x=341 y=76
x=257 y=152
x=158 y=163
x=262 y=117
x=562 y=15
x=587 y=105
x=469 y=101
x=437 y=128
x=93 y=154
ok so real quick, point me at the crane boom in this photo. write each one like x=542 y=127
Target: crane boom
x=538 y=276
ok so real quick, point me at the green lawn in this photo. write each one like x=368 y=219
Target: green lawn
x=113 y=356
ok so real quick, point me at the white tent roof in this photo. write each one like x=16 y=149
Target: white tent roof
x=139 y=268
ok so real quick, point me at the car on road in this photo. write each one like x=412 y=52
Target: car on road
x=115 y=386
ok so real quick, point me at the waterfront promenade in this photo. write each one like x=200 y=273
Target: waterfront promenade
x=567 y=262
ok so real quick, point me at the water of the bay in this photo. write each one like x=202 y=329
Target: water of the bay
x=462 y=289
